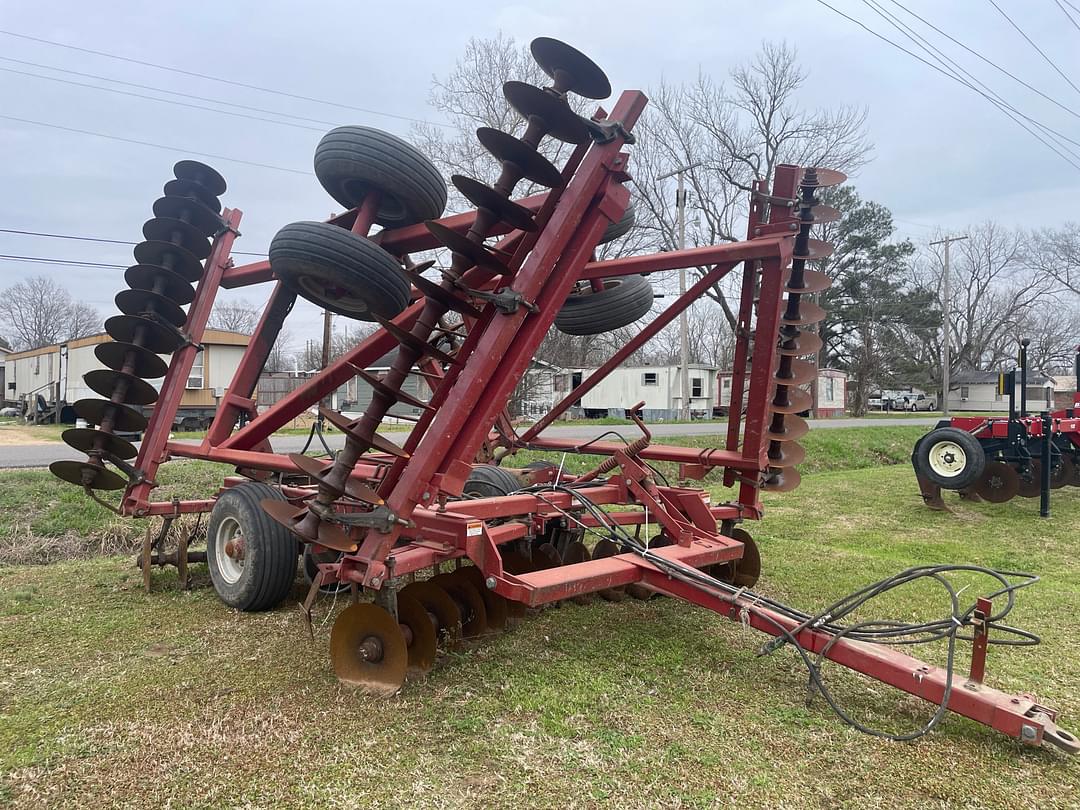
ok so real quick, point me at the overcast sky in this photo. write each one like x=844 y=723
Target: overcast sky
x=944 y=157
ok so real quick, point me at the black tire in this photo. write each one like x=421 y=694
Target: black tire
x=338 y=270
x=271 y=551
x=949 y=457
x=622 y=301
x=489 y=481
x=350 y=161
x=620 y=227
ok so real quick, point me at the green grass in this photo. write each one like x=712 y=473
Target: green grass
x=112 y=697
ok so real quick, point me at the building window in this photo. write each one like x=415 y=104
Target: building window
x=195 y=376
x=965 y=392
x=830 y=389
x=696 y=387
x=650 y=378
x=727 y=382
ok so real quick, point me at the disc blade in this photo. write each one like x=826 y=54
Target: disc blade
x=129 y=358
x=375 y=441
x=809 y=313
x=802 y=344
x=286 y=514
x=813 y=281
x=422 y=645
x=438 y=603
x=107 y=383
x=795 y=427
x=570 y=69
x=475 y=253
x=150 y=334
x=96 y=411
x=172 y=257
x=550 y=109
x=816 y=177
x=797 y=401
x=532 y=165
x=578 y=552
x=144 y=302
x=195 y=172
x=195 y=191
x=999 y=483
x=155 y=278
x=179 y=233
x=436 y=292
x=825 y=213
x=469 y=601
x=484 y=196
x=407 y=338
x=189 y=210
x=87 y=474
x=782 y=480
x=608 y=548
x=333 y=536
x=88 y=440
x=799 y=372
x=787 y=454
x=368 y=649
x=546 y=556
x=747 y=569
x=494 y=605
x=815 y=249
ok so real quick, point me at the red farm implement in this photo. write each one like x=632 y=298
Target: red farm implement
x=997 y=458
x=380 y=519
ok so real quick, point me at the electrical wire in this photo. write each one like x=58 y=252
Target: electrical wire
x=1065 y=11
x=69 y=262
x=101 y=240
x=1031 y=42
x=221 y=80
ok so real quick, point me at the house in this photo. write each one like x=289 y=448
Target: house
x=832 y=392
x=978 y=391
x=1064 y=390
x=50 y=378
x=659 y=387
x=4 y=352
x=541 y=387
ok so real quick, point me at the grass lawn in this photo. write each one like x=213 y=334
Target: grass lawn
x=112 y=697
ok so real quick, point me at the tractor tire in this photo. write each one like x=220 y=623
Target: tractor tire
x=950 y=457
x=265 y=574
x=351 y=161
x=489 y=481
x=339 y=271
x=622 y=301
x=621 y=227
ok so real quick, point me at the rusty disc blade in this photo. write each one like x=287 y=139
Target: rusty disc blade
x=334 y=536
x=475 y=253
x=150 y=334
x=484 y=196
x=795 y=427
x=514 y=562
x=608 y=548
x=809 y=313
x=802 y=344
x=88 y=440
x=96 y=411
x=570 y=69
x=375 y=441
x=546 y=556
x=469 y=601
x=190 y=211
x=787 y=454
x=550 y=109
x=422 y=642
x=286 y=514
x=1071 y=472
x=532 y=165
x=438 y=603
x=817 y=177
x=494 y=605
x=107 y=382
x=815 y=249
x=781 y=479
x=195 y=172
x=179 y=233
x=144 y=363
x=799 y=372
x=145 y=302
x=578 y=552
x=825 y=213
x=747 y=569
x=174 y=258
x=436 y=292
x=193 y=191
x=813 y=281
x=797 y=401
x=313 y=468
x=155 y=278
x=999 y=483
x=639 y=591
x=85 y=473
x=368 y=649
x=407 y=338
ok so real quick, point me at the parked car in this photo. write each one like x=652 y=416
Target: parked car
x=922 y=403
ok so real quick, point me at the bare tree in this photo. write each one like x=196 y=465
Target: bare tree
x=38 y=311
x=1056 y=253
x=235 y=316
x=281 y=354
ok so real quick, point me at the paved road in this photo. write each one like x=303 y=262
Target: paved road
x=40 y=455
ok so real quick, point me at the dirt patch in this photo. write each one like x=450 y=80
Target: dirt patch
x=22 y=434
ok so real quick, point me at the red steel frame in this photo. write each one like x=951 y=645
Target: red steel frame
x=469 y=399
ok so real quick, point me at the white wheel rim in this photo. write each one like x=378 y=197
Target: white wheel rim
x=947 y=459
x=230 y=569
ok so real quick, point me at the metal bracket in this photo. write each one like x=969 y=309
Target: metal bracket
x=607 y=131
x=506 y=300
x=381 y=518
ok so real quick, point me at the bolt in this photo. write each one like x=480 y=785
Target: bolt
x=1015 y=701
x=1028 y=732
x=490 y=582
x=376 y=582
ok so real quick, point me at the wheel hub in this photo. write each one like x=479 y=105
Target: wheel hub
x=947 y=459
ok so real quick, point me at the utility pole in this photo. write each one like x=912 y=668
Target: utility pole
x=948 y=240
x=684 y=337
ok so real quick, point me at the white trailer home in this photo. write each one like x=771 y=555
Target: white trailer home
x=978 y=391
x=659 y=387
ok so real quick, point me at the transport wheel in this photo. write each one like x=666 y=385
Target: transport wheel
x=350 y=161
x=621 y=227
x=950 y=457
x=368 y=649
x=339 y=271
x=252 y=558
x=489 y=481
x=999 y=483
x=621 y=302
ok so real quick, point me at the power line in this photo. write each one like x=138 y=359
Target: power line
x=1065 y=11
x=154 y=145
x=221 y=80
x=96 y=239
x=954 y=67
x=1030 y=42
x=928 y=64
x=992 y=64
x=70 y=262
